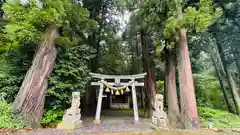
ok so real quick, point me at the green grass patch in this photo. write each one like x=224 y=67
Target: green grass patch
x=219 y=118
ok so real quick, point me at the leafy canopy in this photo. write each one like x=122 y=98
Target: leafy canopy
x=28 y=22
x=198 y=18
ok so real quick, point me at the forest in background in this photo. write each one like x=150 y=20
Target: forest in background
x=188 y=48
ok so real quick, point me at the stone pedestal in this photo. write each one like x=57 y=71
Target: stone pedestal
x=159 y=122
x=72 y=117
x=69 y=126
x=97 y=122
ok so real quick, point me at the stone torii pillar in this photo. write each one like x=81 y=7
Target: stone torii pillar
x=134 y=98
x=99 y=104
x=117 y=81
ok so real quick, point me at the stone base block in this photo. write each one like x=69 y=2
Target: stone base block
x=157 y=128
x=154 y=127
x=97 y=122
x=69 y=126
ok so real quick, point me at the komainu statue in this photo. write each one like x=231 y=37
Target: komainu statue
x=72 y=117
x=159 y=118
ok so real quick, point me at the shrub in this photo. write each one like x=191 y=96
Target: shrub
x=160 y=86
x=7 y=120
x=52 y=117
x=9 y=86
x=208 y=91
x=70 y=74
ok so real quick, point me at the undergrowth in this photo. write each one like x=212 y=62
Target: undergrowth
x=219 y=118
x=7 y=119
x=52 y=117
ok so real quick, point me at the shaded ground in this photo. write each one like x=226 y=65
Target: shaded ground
x=109 y=125
x=112 y=122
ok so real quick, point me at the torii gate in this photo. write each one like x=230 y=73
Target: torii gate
x=117 y=81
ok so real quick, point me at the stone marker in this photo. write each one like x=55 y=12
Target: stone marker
x=210 y=124
x=159 y=118
x=72 y=117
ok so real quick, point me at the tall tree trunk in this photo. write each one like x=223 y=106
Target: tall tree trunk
x=221 y=78
x=187 y=92
x=134 y=66
x=148 y=66
x=231 y=82
x=139 y=69
x=165 y=87
x=173 y=108
x=237 y=58
x=30 y=99
x=166 y=78
x=95 y=8
x=236 y=96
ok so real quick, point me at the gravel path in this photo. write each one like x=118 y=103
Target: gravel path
x=109 y=125
x=92 y=129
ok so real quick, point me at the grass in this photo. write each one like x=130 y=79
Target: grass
x=219 y=118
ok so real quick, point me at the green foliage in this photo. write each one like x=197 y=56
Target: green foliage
x=52 y=117
x=9 y=82
x=28 y=22
x=9 y=86
x=13 y=67
x=160 y=86
x=4 y=68
x=208 y=91
x=219 y=118
x=191 y=18
x=113 y=62
x=24 y=29
x=7 y=120
x=70 y=74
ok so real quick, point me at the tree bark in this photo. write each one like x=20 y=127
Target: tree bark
x=187 y=93
x=95 y=9
x=236 y=96
x=231 y=82
x=237 y=58
x=165 y=87
x=173 y=108
x=148 y=67
x=221 y=78
x=30 y=99
x=139 y=69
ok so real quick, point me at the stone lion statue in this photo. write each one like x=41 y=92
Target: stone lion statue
x=158 y=105
x=75 y=100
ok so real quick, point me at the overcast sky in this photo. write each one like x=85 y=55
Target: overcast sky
x=123 y=21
